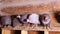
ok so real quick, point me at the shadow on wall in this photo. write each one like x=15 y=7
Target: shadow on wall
x=41 y=32
x=0 y=31
x=17 y=31
x=0 y=21
x=57 y=16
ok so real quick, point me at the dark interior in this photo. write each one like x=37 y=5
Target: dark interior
x=57 y=16
x=41 y=32
x=0 y=31
x=17 y=31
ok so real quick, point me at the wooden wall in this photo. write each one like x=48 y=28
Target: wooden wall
x=54 y=32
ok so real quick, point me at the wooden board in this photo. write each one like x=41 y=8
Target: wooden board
x=54 y=32
x=16 y=8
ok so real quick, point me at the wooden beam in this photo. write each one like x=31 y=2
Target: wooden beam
x=55 y=3
x=3 y=13
x=21 y=3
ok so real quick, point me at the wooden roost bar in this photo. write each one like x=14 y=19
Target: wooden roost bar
x=18 y=7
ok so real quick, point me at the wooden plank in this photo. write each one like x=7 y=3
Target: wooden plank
x=6 y=31
x=12 y=8
x=54 y=32
x=46 y=32
x=24 y=32
x=33 y=32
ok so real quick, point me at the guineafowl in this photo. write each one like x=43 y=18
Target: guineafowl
x=14 y=20
x=46 y=20
x=6 y=20
x=23 y=19
x=34 y=19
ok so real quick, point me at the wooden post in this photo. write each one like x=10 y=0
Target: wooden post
x=46 y=32
x=24 y=32
x=4 y=31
